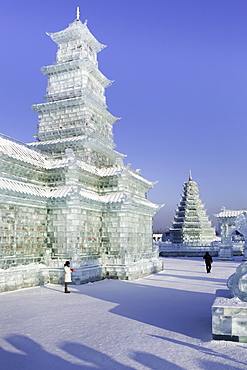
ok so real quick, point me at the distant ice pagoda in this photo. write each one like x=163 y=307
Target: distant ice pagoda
x=69 y=195
x=191 y=225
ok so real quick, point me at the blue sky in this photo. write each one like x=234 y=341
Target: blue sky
x=180 y=72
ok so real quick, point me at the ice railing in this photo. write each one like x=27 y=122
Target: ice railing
x=237 y=247
x=164 y=246
x=56 y=260
x=128 y=258
x=7 y=262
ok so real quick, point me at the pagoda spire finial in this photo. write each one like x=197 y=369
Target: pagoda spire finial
x=190 y=177
x=78 y=13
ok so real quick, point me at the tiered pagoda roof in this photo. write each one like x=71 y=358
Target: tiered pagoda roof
x=229 y=213
x=191 y=224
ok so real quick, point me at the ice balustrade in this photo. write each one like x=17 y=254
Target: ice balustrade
x=7 y=262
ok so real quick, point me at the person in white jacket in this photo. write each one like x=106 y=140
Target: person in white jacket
x=67 y=276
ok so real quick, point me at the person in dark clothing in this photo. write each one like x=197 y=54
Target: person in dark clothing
x=208 y=261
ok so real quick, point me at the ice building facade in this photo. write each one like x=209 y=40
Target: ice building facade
x=69 y=195
x=191 y=224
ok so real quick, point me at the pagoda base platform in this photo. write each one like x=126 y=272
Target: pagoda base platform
x=37 y=274
x=133 y=270
x=225 y=253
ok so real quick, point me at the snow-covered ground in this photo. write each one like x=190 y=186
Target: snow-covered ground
x=159 y=322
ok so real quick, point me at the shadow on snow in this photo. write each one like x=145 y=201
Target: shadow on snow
x=34 y=356
x=180 y=311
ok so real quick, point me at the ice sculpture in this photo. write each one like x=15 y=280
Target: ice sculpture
x=227 y=221
x=229 y=314
x=241 y=226
x=69 y=195
x=237 y=283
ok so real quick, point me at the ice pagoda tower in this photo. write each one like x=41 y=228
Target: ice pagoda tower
x=69 y=194
x=191 y=225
